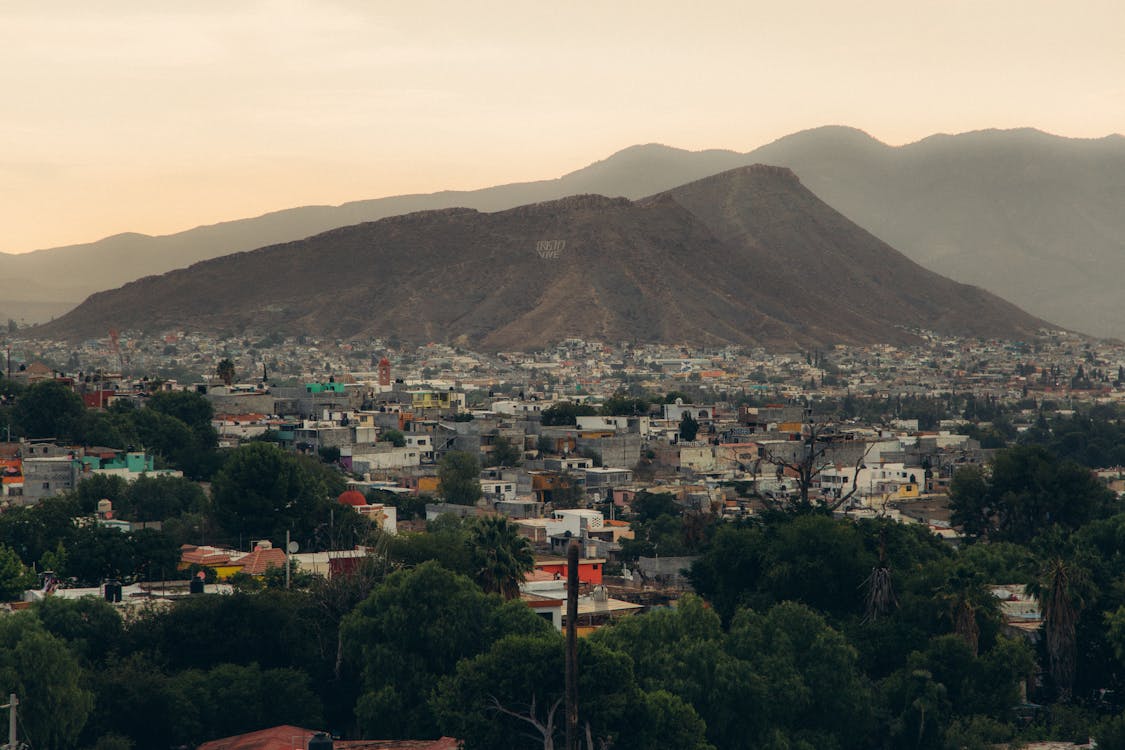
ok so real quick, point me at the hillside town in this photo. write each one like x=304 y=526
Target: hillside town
x=574 y=417
x=157 y=451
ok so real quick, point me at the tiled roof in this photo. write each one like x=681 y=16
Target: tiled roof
x=209 y=556
x=288 y=737
x=285 y=737
x=261 y=560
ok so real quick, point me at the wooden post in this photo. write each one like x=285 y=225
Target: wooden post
x=572 y=646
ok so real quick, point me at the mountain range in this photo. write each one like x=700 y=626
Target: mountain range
x=748 y=256
x=1035 y=218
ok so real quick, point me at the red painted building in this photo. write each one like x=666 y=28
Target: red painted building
x=589 y=570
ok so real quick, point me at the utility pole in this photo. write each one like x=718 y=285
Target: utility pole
x=572 y=645
x=13 y=742
x=287 y=559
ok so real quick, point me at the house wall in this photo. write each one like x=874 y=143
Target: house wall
x=47 y=477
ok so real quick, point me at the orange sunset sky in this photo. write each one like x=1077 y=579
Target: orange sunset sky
x=157 y=117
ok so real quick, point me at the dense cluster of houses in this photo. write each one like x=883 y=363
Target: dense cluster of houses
x=561 y=481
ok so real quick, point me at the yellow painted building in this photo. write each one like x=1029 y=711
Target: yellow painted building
x=437 y=400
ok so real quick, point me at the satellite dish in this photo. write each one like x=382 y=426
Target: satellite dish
x=293 y=547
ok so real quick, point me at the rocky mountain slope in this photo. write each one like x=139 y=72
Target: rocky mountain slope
x=1037 y=219
x=749 y=256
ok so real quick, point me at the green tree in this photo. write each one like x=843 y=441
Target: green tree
x=91 y=627
x=161 y=434
x=413 y=630
x=459 y=477
x=157 y=498
x=100 y=487
x=812 y=559
x=505 y=452
x=48 y=409
x=565 y=413
x=9 y=388
x=183 y=637
x=1060 y=588
x=225 y=371
x=409 y=506
x=623 y=405
x=113 y=742
x=111 y=428
x=1110 y=734
x=97 y=552
x=567 y=492
x=502 y=558
x=816 y=693
x=193 y=409
x=689 y=427
x=1027 y=491
x=41 y=528
x=42 y=671
x=448 y=547
x=914 y=710
x=685 y=651
x=647 y=506
x=262 y=491
x=136 y=685
x=514 y=692
x=966 y=603
x=265 y=698
x=15 y=578
x=394 y=437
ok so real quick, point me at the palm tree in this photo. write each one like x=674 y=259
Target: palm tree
x=967 y=600
x=501 y=557
x=1059 y=590
x=225 y=371
x=880 y=599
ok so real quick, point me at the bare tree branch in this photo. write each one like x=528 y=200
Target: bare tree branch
x=855 y=478
x=546 y=731
x=814 y=446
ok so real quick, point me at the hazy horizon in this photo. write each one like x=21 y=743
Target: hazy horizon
x=130 y=118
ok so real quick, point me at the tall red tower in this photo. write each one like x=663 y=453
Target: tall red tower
x=384 y=371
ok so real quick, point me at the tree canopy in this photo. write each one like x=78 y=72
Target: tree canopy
x=42 y=671
x=565 y=413
x=413 y=629
x=263 y=491
x=459 y=478
x=1026 y=491
x=48 y=409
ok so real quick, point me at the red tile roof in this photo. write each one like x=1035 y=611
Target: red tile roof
x=261 y=560
x=285 y=737
x=208 y=556
x=288 y=737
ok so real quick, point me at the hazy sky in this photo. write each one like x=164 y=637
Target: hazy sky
x=156 y=117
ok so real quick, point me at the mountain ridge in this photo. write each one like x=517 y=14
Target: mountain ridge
x=1036 y=218
x=656 y=269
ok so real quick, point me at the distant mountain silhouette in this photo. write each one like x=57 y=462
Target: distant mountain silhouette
x=1035 y=218
x=749 y=256
x=62 y=277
